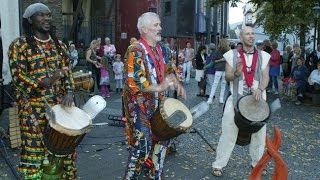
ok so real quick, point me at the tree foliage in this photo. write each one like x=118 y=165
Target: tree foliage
x=282 y=16
x=232 y=34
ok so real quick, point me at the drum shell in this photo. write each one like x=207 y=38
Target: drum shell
x=242 y=122
x=88 y=84
x=161 y=129
x=85 y=82
x=60 y=144
x=243 y=138
x=245 y=125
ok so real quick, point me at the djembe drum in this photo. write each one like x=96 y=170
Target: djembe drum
x=83 y=80
x=171 y=119
x=250 y=116
x=66 y=128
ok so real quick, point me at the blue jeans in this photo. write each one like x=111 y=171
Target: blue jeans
x=273 y=81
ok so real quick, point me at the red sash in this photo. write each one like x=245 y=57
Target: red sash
x=249 y=75
x=158 y=64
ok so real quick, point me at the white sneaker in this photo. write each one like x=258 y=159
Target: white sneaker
x=221 y=101
x=209 y=101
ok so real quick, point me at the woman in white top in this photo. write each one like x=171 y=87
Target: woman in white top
x=188 y=57
x=314 y=78
x=74 y=55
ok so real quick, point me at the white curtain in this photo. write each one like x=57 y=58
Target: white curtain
x=9 y=14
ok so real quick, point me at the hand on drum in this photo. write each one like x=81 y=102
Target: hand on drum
x=257 y=93
x=68 y=100
x=172 y=82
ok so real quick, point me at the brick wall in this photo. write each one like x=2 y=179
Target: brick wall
x=56 y=8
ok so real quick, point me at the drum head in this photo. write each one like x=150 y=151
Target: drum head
x=70 y=120
x=173 y=107
x=253 y=110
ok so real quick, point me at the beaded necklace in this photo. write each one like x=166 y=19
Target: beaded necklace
x=43 y=41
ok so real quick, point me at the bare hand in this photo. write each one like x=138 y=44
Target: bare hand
x=58 y=74
x=68 y=99
x=180 y=90
x=173 y=82
x=257 y=93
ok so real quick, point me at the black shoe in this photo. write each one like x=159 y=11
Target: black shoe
x=199 y=95
x=206 y=96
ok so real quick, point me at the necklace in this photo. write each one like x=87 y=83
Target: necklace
x=249 y=52
x=43 y=41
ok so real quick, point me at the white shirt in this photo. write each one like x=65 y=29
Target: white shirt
x=188 y=54
x=314 y=77
x=248 y=58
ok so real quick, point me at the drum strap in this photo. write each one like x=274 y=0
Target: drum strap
x=257 y=76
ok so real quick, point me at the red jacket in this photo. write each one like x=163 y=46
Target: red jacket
x=275 y=58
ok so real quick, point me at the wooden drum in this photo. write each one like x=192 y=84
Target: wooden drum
x=66 y=129
x=250 y=117
x=171 y=119
x=83 y=80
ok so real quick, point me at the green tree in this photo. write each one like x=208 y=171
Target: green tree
x=232 y=34
x=282 y=16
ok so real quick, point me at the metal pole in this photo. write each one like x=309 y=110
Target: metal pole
x=317 y=32
x=177 y=62
x=315 y=35
x=204 y=139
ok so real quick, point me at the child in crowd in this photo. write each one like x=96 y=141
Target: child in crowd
x=180 y=66
x=118 y=72
x=104 y=78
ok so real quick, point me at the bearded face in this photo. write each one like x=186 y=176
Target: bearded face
x=153 y=31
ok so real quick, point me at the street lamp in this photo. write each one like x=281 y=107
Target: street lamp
x=248 y=17
x=316 y=10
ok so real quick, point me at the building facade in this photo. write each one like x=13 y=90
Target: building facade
x=211 y=22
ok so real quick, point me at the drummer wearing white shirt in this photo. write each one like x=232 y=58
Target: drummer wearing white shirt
x=234 y=73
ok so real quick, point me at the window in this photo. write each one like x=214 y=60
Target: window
x=167 y=8
x=153 y=10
